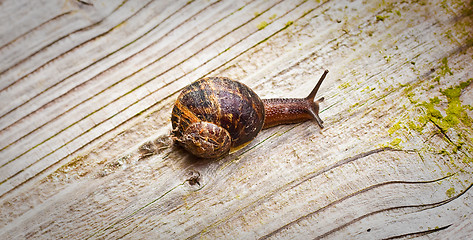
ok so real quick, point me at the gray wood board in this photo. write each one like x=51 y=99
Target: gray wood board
x=87 y=88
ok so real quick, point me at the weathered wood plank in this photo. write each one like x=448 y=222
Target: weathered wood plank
x=87 y=88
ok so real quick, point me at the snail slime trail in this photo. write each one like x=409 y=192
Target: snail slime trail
x=213 y=115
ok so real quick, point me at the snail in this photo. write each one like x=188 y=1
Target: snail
x=215 y=115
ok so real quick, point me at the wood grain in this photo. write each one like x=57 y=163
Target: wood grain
x=87 y=88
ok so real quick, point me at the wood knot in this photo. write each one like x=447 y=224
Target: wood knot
x=193 y=178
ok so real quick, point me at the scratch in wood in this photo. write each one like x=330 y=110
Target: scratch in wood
x=419 y=234
x=448 y=140
x=442 y=131
x=83 y=2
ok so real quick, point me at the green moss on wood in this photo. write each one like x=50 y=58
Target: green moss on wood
x=450 y=192
x=262 y=25
x=456 y=112
x=394 y=128
x=395 y=142
x=381 y=18
x=444 y=112
x=444 y=68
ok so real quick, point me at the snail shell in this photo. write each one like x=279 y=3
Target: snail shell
x=215 y=114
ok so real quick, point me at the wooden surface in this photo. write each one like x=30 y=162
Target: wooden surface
x=87 y=87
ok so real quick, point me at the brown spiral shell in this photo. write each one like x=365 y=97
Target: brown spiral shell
x=214 y=114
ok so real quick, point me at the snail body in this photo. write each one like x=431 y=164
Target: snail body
x=214 y=115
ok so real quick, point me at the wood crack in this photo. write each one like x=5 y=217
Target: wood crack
x=419 y=207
